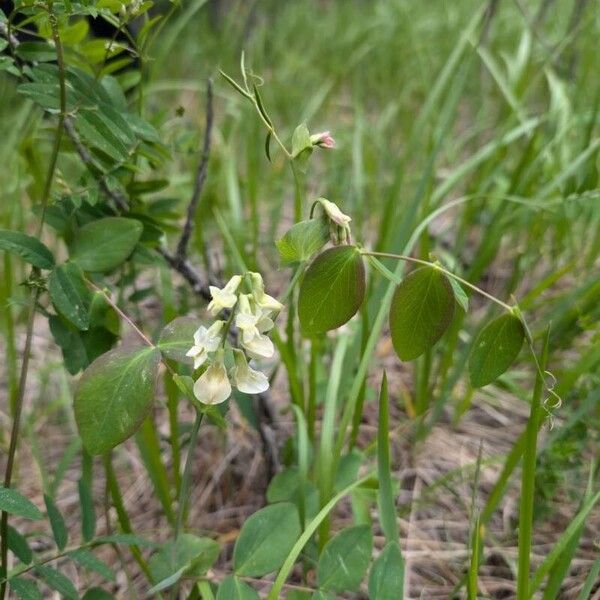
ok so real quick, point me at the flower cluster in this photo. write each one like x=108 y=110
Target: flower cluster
x=252 y=314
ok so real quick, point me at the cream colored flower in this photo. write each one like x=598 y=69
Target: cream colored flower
x=205 y=341
x=252 y=321
x=224 y=298
x=262 y=299
x=245 y=378
x=213 y=386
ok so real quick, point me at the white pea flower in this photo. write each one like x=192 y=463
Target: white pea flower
x=225 y=298
x=245 y=378
x=334 y=213
x=252 y=322
x=205 y=341
x=262 y=299
x=213 y=386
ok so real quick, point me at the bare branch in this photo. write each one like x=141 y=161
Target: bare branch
x=182 y=246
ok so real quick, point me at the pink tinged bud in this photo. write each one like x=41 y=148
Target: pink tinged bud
x=323 y=140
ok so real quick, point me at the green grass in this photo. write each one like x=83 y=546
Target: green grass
x=476 y=145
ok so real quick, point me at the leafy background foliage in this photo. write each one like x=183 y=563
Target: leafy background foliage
x=466 y=135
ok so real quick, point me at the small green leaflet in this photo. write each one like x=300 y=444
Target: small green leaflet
x=25 y=589
x=30 y=249
x=18 y=545
x=57 y=523
x=345 y=559
x=15 y=503
x=105 y=244
x=332 y=290
x=57 y=581
x=92 y=563
x=303 y=240
x=70 y=295
x=495 y=349
x=266 y=539
x=422 y=309
x=114 y=395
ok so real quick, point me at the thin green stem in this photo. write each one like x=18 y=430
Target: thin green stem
x=528 y=481
x=427 y=263
x=35 y=293
x=187 y=474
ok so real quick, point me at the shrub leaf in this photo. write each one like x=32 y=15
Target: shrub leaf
x=114 y=396
x=332 y=290
x=495 y=349
x=422 y=309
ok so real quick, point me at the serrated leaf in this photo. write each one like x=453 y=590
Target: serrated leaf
x=114 y=396
x=178 y=337
x=231 y=588
x=57 y=581
x=92 y=563
x=422 y=309
x=303 y=240
x=18 y=545
x=386 y=581
x=25 y=589
x=345 y=559
x=70 y=295
x=332 y=290
x=57 y=523
x=188 y=554
x=30 y=249
x=495 y=349
x=105 y=244
x=15 y=503
x=266 y=539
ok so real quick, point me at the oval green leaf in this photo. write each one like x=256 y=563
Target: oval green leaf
x=266 y=539
x=232 y=588
x=495 y=349
x=18 y=545
x=57 y=581
x=15 y=503
x=332 y=290
x=30 y=249
x=386 y=581
x=345 y=559
x=422 y=309
x=70 y=295
x=105 y=244
x=188 y=554
x=114 y=396
x=303 y=240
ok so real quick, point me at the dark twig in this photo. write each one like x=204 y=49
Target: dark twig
x=118 y=198
x=182 y=246
x=184 y=268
